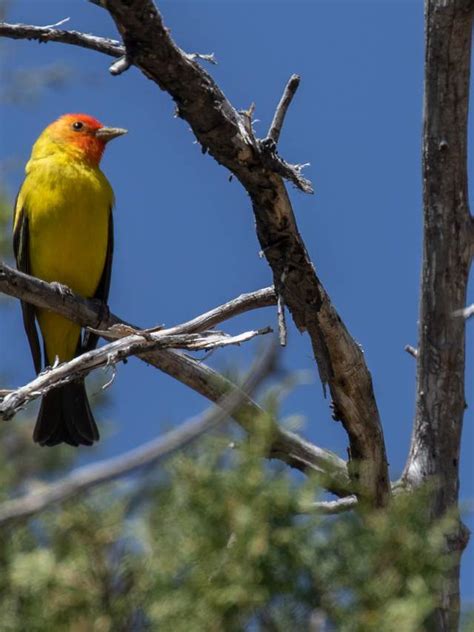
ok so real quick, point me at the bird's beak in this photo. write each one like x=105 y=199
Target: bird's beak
x=108 y=133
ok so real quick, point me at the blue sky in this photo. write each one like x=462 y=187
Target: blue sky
x=185 y=238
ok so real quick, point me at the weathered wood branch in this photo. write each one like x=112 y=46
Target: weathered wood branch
x=89 y=313
x=90 y=476
x=466 y=312
x=50 y=34
x=225 y=133
x=286 y=446
x=282 y=108
x=328 y=507
x=440 y=399
x=110 y=355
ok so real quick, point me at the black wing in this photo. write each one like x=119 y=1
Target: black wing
x=102 y=293
x=22 y=256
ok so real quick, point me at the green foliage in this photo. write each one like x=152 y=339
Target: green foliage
x=214 y=541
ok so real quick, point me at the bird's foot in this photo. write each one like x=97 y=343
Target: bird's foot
x=63 y=290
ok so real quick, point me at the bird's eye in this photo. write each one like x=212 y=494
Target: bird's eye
x=77 y=126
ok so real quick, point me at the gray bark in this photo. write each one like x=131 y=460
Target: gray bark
x=440 y=398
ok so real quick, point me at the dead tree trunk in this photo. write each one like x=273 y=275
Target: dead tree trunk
x=434 y=453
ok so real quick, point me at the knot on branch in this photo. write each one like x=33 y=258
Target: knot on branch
x=273 y=162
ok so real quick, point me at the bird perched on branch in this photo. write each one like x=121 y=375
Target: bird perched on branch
x=63 y=233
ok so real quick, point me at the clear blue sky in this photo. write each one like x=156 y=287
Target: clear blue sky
x=185 y=238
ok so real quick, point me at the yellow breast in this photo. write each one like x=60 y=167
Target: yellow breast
x=68 y=206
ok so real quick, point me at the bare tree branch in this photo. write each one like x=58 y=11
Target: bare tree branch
x=121 y=65
x=465 y=312
x=49 y=34
x=411 y=350
x=282 y=331
x=325 y=507
x=286 y=446
x=150 y=453
x=280 y=113
x=440 y=402
x=89 y=313
x=110 y=355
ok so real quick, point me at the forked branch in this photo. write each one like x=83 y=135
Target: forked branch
x=286 y=446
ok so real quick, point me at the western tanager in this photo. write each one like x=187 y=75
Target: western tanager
x=63 y=233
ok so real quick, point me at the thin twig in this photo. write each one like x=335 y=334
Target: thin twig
x=60 y=23
x=209 y=57
x=110 y=355
x=85 y=478
x=121 y=65
x=465 y=313
x=46 y=34
x=411 y=350
x=331 y=507
x=282 y=331
x=282 y=108
x=87 y=312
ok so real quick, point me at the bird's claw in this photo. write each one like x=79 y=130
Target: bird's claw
x=63 y=290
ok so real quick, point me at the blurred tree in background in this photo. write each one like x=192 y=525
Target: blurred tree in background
x=216 y=540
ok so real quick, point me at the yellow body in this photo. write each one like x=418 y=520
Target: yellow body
x=67 y=201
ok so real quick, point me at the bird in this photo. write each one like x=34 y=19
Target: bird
x=63 y=234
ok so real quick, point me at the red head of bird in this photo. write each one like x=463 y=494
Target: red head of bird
x=81 y=136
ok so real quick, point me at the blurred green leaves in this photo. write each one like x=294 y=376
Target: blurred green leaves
x=216 y=541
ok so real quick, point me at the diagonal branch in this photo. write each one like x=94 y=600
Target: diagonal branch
x=222 y=131
x=282 y=108
x=286 y=446
x=150 y=453
x=89 y=313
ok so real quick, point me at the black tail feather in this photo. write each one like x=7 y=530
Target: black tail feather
x=66 y=417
